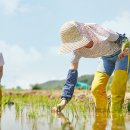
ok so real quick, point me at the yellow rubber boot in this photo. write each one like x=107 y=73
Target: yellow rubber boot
x=118 y=89
x=99 y=90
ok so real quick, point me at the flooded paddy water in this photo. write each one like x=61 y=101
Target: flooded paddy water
x=34 y=113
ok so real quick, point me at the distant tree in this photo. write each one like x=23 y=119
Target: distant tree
x=86 y=79
x=58 y=84
x=36 y=87
x=18 y=88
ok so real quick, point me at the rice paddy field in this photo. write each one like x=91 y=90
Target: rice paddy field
x=31 y=110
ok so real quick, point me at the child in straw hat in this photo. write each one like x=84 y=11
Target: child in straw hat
x=91 y=40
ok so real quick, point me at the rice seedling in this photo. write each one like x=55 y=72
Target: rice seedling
x=32 y=114
x=37 y=110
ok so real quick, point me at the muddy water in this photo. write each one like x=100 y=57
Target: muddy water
x=11 y=119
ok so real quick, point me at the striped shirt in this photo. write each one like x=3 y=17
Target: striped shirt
x=103 y=48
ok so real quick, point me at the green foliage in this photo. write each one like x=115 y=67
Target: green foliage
x=36 y=87
x=18 y=88
x=53 y=84
x=128 y=106
x=86 y=79
x=128 y=86
x=32 y=114
x=58 y=84
x=125 y=44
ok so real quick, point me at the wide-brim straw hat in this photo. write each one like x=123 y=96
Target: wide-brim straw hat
x=71 y=37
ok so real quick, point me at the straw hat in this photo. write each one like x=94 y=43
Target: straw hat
x=72 y=37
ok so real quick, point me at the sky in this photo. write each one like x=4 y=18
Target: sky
x=29 y=36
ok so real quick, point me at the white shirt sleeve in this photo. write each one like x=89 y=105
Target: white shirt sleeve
x=75 y=57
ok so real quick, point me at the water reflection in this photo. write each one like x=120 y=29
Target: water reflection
x=100 y=121
x=66 y=124
x=118 y=121
x=46 y=120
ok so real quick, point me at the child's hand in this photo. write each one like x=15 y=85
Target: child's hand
x=124 y=53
